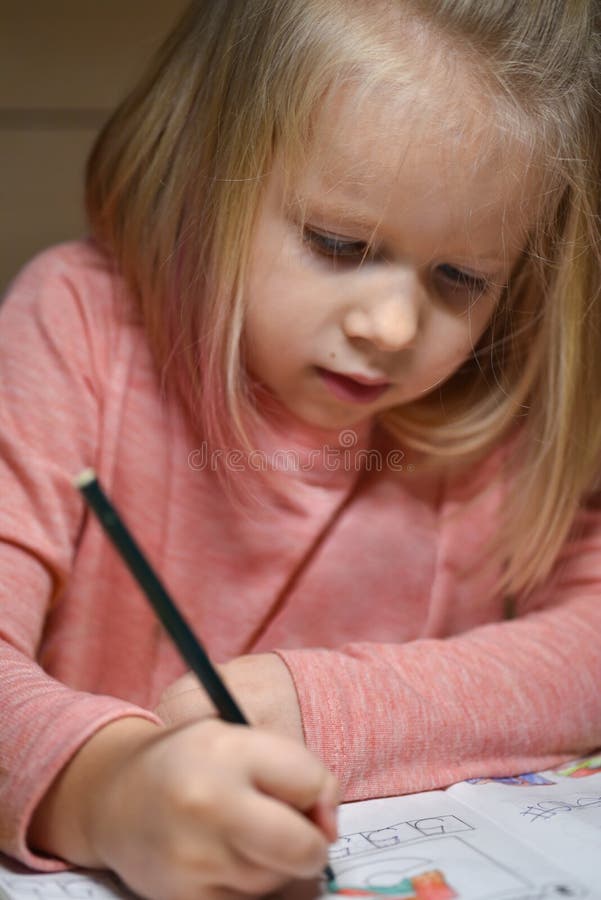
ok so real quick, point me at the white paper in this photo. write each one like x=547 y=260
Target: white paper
x=431 y=847
x=560 y=818
x=18 y=883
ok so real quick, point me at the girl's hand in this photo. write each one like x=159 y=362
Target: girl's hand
x=207 y=810
x=260 y=683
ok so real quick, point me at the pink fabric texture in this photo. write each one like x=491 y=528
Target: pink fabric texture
x=370 y=588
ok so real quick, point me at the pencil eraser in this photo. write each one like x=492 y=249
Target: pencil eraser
x=84 y=478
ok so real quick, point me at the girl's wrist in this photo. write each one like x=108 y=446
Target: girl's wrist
x=66 y=819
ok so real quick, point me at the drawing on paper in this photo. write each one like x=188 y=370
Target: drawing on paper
x=548 y=809
x=580 y=768
x=527 y=779
x=429 y=885
x=398 y=834
x=63 y=886
x=433 y=858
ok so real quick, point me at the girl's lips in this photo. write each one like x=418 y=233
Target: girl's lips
x=349 y=389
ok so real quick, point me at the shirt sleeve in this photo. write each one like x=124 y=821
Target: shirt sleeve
x=500 y=699
x=50 y=401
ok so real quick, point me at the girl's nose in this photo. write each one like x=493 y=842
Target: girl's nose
x=390 y=323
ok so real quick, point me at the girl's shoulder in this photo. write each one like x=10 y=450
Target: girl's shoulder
x=74 y=269
x=70 y=295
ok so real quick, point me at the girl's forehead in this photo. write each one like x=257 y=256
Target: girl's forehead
x=384 y=150
x=370 y=134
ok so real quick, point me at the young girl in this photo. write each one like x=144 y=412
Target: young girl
x=333 y=349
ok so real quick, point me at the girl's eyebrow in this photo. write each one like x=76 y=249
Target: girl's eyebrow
x=333 y=209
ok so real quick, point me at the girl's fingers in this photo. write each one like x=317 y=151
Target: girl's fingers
x=276 y=837
x=192 y=889
x=288 y=771
x=247 y=877
x=238 y=803
x=324 y=816
x=286 y=823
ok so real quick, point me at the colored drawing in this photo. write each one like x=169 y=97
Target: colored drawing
x=441 y=867
x=580 y=768
x=430 y=885
x=528 y=778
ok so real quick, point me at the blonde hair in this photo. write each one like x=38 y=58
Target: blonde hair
x=176 y=176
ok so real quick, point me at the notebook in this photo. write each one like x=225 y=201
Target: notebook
x=531 y=837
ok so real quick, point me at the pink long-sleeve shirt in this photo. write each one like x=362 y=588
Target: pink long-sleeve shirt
x=370 y=588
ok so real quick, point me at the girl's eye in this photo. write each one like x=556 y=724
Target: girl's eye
x=457 y=279
x=338 y=248
x=335 y=247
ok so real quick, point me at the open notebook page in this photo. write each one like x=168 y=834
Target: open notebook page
x=557 y=812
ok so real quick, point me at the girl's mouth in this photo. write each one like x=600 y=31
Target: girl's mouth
x=347 y=388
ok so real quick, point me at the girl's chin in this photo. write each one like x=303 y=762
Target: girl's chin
x=331 y=419
x=331 y=415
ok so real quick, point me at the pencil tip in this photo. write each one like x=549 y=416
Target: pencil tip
x=84 y=478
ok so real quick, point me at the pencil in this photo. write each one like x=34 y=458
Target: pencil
x=174 y=623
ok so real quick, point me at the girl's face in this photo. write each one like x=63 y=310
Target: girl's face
x=374 y=274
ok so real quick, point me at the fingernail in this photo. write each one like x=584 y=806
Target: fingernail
x=330 y=823
x=330 y=794
x=327 y=807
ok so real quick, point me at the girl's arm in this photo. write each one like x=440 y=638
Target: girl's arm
x=500 y=699
x=52 y=352
x=262 y=679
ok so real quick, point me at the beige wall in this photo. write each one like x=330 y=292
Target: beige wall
x=63 y=65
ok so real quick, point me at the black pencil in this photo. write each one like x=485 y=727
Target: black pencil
x=174 y=623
